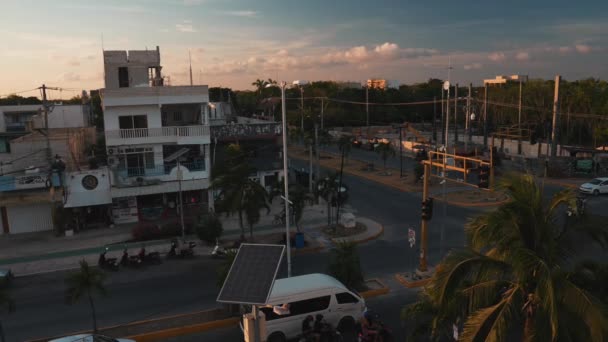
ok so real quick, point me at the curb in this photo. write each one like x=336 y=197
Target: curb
x=481 y=204
x=411 y=284
x=186 y=330
x=557 y=182
x=375 y=292
x=363 y=240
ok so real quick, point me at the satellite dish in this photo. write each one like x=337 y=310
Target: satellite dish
x=446 y=85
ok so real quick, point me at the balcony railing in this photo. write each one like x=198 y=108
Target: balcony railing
x=250 y=130
x=172 y=131
x=158 y=170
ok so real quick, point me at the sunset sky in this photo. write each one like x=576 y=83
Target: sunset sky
x=233 y=42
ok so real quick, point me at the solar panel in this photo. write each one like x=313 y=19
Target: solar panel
x=252 y=274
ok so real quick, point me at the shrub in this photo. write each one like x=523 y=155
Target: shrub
x=209 y=228
x=145 y=231
x=170 y=229
x=345 y=265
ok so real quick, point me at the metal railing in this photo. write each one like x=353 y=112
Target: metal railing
x=245 y=130
x=158 y=170
x=171 y=131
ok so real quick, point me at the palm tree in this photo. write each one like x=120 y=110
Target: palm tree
x=385 y=149
x=328 y=190
x=260 y=85
x=5 y=301
x=510 y=281
x=299 y=198
x=344 y=144
x=85 y=282
x=238 y=193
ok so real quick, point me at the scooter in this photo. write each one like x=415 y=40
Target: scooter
x=221 y=252
x=107 y=263
x=183 y=252
x=152 y=258
x=130 y=261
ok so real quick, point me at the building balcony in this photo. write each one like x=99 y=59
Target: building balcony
x=230 y=132
x=198 y=134
x=143 y=176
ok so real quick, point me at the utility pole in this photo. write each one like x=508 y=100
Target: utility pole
x=317 y=154
x=190 y=59
x=302 y=116
x=519 y=118
x=554 y=134
x=367 y=108
x=442 y=118
x=485 y=115
x=435 y=118
x=322 y=105
x=45 y=107
x=467 y=122
x=423 y=227
x=456 y=116
x=447 y=121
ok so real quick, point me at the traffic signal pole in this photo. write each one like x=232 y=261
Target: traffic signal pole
x=423 y=227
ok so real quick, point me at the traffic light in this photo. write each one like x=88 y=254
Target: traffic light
x=484 y=175
x=427 y=209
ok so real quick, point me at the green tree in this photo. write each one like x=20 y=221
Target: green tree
x=510 y=281
x=328 y=190
x=8 y=303
x=260 y=86
x=238 y=193
x=299 y=198
x=224 y=268
x=86 y=282
x=385 y=150
x=209 y=228
x=344 y=264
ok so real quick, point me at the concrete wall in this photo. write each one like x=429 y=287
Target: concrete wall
x=509 y=147
x=137 y=62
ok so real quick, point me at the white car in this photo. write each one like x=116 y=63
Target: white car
x=595 y=186
x=90 y=338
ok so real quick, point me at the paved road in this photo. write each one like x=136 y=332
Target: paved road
x=183 y=286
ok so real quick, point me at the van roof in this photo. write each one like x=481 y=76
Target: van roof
x=304 y=283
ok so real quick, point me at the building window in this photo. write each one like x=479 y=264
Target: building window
x=123 y=77
x=5 y=145
x=132 y=121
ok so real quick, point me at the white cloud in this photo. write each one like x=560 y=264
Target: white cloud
x=387 y=49
x=522 y=56
x=187 y=28
x=582 y=48
x=497 y=56
x=473 y=66
x=246 y=13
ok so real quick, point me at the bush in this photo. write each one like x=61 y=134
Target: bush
x=345 y=265
x=209 y=228
x=146 y=231
x=171 y=229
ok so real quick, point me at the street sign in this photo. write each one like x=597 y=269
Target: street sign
x=411 y=237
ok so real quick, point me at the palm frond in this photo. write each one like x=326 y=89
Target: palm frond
x=492 y=323
x=586 y=306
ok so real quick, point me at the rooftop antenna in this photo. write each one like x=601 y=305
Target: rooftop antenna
x=190 y=57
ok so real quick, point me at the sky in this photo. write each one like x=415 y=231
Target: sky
x=235 y=42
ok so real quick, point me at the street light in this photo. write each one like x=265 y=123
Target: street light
x=282 y=86
x=300 y=84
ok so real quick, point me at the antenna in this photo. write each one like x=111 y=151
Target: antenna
x=190 y=57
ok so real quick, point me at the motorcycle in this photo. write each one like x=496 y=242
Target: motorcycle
x=185 y=251
x=381 y=333
x=130 y=260
x=221 y=252
x=152 y=258
x=107 y=263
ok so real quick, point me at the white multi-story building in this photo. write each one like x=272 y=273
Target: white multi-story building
x=146 y=125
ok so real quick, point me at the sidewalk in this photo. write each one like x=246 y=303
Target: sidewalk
x=43 y=252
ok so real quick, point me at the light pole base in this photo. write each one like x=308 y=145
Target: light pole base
x=416 y=278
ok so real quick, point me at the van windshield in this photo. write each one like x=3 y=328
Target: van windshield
x=354 y=292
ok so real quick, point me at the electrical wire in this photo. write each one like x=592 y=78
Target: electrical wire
x=19 y=92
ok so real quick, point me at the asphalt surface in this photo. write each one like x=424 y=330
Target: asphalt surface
x=180 y=286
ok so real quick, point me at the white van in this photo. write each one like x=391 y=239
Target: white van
x=310 y=294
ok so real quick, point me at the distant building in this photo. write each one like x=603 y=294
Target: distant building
x=382 y=84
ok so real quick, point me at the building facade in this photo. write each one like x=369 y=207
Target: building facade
x=153 y=134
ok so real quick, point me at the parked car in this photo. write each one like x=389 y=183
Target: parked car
x=595 y=186
x=6 y=277
x=90 y=338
